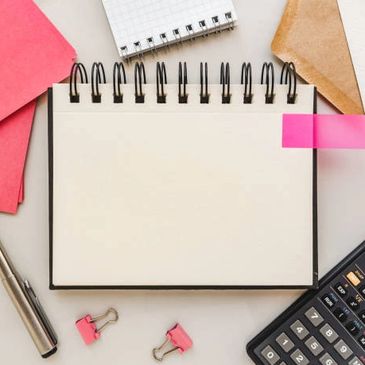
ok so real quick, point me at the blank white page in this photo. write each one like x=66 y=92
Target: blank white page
x=170 y=195
x=134 y=21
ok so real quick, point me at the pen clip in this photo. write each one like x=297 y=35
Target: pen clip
x=40 y=311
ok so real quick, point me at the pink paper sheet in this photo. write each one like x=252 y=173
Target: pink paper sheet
x=323 y=131
x=14 y=137
x=21 y=191
x=33 y=54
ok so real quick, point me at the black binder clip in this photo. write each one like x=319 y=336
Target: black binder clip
x=161 y=81
x=97 y=76
x=225 y=80
x=77 y=69
x=246 y=79
x=183 y=80
x=204 y=95
x=118 y=78
x=267 y=77
x=139 y=78
x=289 y=75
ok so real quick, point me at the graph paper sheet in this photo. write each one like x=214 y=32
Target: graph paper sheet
x=142 y=25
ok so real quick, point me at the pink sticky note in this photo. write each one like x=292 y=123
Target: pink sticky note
x=33 y=54
x=298 y=130
x=323 y=131
x=14 y=137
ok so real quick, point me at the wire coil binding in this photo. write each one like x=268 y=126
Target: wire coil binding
x=77 y=69
x=78 y=74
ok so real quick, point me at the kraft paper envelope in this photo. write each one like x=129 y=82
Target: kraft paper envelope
x=311 y=35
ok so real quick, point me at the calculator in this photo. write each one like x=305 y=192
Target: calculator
x=325 y=326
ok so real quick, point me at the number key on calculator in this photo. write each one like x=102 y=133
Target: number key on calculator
x=323 y=327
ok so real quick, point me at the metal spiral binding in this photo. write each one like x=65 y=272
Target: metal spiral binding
x=189 y=28
x=192 y=30
x=225 y=80
x=268 y=78
x=161 y=80
x=97 y=77
x=204 y=95
x=118 y=78
x=77 y=69
x=139 y=78
x=183 y=80
x=289 y=75
x=246 y=79
x=204 y=28
x=229 y=19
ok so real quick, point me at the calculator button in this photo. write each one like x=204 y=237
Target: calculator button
x=326 y=359
x=329 y=300
x=362 y=316
x=340 y=314
x=353 y=279
x=300 y=331
x=328 y=333
x=355 y=361
x=352 y=303
x=362 y=341
x=314 y=346
x=362 y=290
x=342 y=348
x=270 y=355
x=352 y=328
x=341 y=290
x=315 y=318
x=285 y=342
x=299 y=358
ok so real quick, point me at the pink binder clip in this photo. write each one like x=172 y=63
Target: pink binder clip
x=87 y=327
x=178 y=338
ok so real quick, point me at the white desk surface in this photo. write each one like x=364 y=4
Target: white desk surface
x=220 y=323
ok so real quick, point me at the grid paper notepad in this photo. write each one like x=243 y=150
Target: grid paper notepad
x=139 y=26
x=179 y=195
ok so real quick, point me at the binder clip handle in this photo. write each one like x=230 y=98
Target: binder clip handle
x=179 y=339
x=113 y=318
x=87 y=327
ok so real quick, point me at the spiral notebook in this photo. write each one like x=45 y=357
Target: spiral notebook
x=186 y=186
x=139 y=26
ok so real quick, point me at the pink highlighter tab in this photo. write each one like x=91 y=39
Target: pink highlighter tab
x=323 y=131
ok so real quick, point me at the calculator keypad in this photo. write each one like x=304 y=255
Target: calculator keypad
x=327 y=359
x=315 y=318
x=299 y=358
x=328 y=333
x=329 y=329
x=344 y=351
x=285 y=342
x=270 y=355
x=299 y=330
x=314 y=346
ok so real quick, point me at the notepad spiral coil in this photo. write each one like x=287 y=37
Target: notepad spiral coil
x=204 y=27
x=288 y=77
